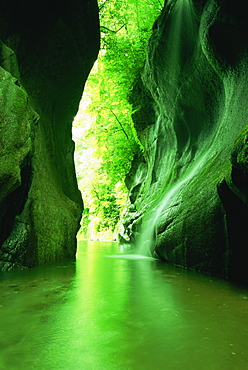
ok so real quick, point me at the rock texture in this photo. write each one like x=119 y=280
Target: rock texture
x=188 y=195
x=47 y=50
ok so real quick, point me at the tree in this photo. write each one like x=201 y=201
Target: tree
x=108 y=141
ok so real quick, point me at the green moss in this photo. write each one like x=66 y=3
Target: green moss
x=240 y=152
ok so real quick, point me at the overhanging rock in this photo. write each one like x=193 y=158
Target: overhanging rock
x=47 y=51
x=195 y=80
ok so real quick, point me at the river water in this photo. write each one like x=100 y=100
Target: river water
x=104 y=312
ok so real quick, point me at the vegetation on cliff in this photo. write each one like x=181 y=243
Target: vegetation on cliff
x=106 y=140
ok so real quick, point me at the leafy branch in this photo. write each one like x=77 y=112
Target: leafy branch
x=109 y=30
x=109 y=143
x=122 y=128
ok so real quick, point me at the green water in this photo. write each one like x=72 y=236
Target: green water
x=120 y=313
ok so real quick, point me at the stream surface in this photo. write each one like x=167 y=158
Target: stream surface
x=105 y=313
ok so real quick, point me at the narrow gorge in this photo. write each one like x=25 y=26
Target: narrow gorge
x=188 y=192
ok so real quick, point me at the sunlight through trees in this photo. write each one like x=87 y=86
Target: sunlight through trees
x=103 y=131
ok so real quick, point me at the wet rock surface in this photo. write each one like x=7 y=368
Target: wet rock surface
x=47 y=50
x=183 y=189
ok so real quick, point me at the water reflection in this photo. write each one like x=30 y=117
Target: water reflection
x=117 y=313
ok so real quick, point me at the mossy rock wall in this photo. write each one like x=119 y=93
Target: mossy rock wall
x=47 y=51
x=184 y=205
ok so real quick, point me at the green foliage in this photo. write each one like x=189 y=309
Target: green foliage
x=110 y=136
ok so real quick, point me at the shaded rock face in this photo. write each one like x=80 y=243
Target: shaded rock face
x=189 y=193
x=47 y=50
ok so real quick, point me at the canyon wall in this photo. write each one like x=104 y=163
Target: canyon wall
x=188 y=194
x=46 y=52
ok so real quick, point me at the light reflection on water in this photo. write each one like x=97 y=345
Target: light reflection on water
x=120 y=313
